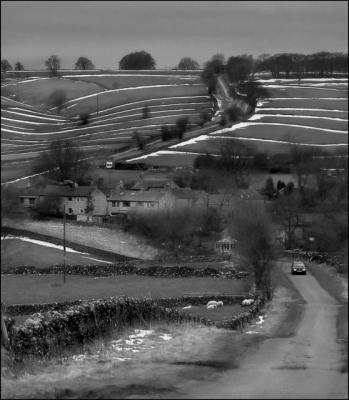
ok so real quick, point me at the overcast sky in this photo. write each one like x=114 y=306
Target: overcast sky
x=31 y=31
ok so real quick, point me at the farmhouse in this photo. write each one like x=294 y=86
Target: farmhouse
x=122 y=201
x=79 y=201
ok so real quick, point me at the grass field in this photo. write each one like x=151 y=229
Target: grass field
x=26 y=289
x=113 y=81
x=15 y=252
x=36 y=91
x=110 y=240
x=309 y=113
x=29 y=125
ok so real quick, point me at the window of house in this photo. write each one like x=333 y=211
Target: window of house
x=31 y=201
x=126 y=204
x=81 y=211
x=70 y=198
x=22 y=200
x=70 y=210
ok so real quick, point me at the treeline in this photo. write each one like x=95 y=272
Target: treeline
x=240 y=68
x=322 y=64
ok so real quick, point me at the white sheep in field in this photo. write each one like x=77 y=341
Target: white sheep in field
x=247 y=302
x=214 y=304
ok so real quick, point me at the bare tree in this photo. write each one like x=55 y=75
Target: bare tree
x=251 y=227
x=19 y=66
x=64 y=160
x=53 y=64
x=5 y=66
x=235 y=159
x=288 y=215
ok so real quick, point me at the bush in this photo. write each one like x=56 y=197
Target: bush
x=165 y=133
x=181 y=125
x=84 y=118
x=57 y=99
x=137 y=60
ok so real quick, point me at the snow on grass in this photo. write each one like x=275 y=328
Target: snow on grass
x=120 y=75
x=260 y=116
x=33 y=114
x=298 y=87
x=106 y=110
x=170 y=152
x=22 y=121
x=40 y=243
x=307 y=98
x=302 y=80
x=243 y=125
x=154 y=106
x=200 y=138
x=297 y=109
x=128 y=89
x=84 y=135
x=18 y=127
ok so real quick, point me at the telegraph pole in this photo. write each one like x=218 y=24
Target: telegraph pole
x=64 y=252
x=97 y=104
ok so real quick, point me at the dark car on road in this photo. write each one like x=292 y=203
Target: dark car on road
x=298 y=267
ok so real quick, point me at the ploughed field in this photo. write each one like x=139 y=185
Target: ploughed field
x=310 y=112
x=114 y=101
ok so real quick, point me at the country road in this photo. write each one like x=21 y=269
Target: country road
x=303 y=366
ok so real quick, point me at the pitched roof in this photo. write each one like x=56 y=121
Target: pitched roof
x=130 y=195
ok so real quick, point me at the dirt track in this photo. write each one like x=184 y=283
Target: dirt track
x=306 y=365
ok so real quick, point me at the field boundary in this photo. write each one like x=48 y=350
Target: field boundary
x=46 y=334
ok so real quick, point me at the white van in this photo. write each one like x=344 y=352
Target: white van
x=109 y=164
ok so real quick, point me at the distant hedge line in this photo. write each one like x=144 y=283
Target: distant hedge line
x=125 y=269
x=46 y=332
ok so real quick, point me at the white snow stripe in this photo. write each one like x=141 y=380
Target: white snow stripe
x=129 y=88
x=298 y=87
x=207 y=137
x=140 y=128
x=32 y=115
x=306 y=98
x=94 y=126
x=147 y=100
x=157 y=106
x=260 y=116
x=298 y=109
x=119 y=75
x=22 y=121
x=242 y=125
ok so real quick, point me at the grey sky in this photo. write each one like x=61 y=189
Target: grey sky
x=105 y=31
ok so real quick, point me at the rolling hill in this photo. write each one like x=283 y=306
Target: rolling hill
x=114 y=101
x=311 y=112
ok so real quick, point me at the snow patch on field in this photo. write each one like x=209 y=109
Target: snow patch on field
x=297 y=109
x=51 y=245
x=260 y=116
x=130 y=88
x=106 y=110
